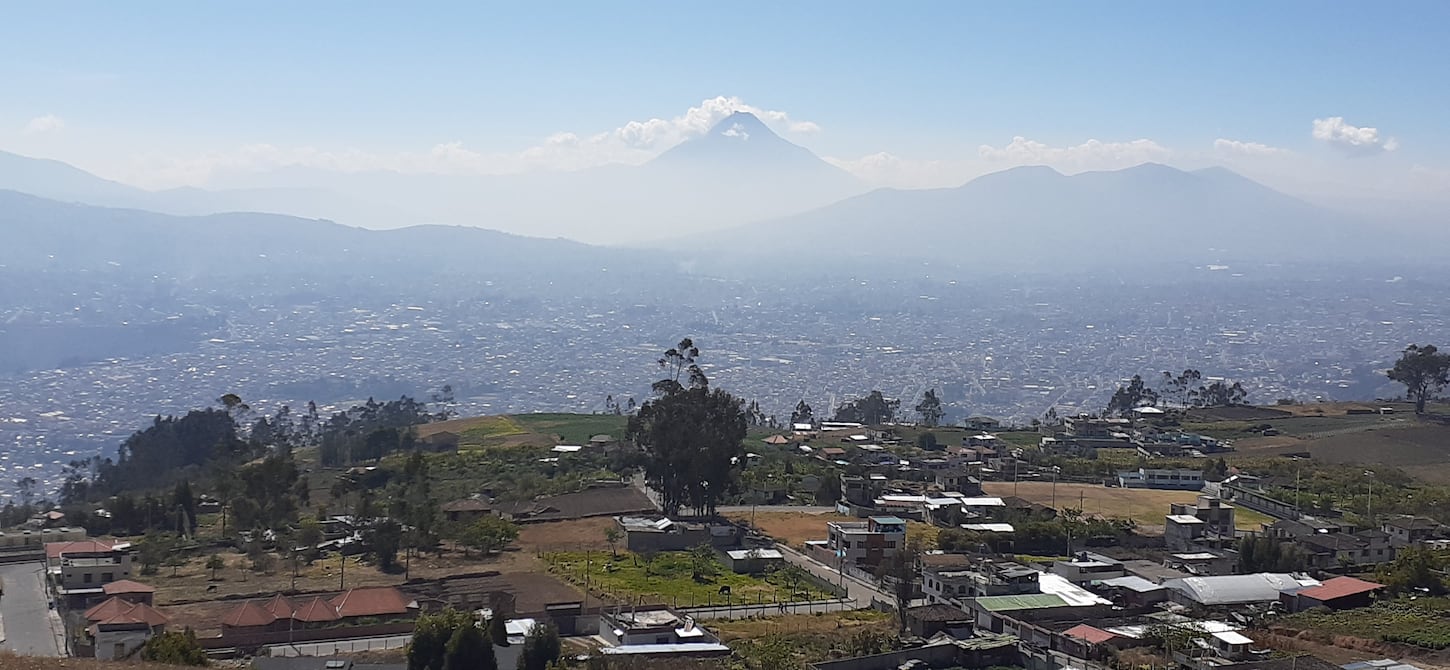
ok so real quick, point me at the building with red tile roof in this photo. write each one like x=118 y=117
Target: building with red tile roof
x=1090 y=634
x=117 y=627
x=279 y=607
x=249 y=614
x=371 y=601
x=316 y=610
x=1337 y=593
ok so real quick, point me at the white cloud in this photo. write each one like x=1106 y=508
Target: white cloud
x=1240 y=148
x=1356 y=141
x=632 y=143
x=44 y=124
x=1090 y=155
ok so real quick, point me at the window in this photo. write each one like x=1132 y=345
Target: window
x=891 y=544
x=108 y=577
x=86 y=578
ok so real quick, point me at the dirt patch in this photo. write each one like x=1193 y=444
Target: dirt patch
x=1243 y=413
x=574 y=535
x=792 y=528
x=1146 y=506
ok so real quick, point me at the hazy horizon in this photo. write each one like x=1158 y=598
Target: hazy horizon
x=398 y=112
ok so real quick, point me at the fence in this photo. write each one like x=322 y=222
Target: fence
x=339 y=646
x=741 y=611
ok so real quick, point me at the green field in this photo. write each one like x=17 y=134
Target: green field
x=1422 y=622
x=573 y=428
x=668 y=579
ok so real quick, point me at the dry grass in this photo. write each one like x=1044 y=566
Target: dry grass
x=802 y=625
x=573 y=535
x=792 y=528
x=1145 y=506
x=190 y=581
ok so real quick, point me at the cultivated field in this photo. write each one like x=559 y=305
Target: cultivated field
x=668 y=579
x=1145 y=506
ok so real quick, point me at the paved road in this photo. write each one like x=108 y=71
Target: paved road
x=30 y=624
x=861 y=591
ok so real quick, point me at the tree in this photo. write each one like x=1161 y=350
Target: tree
x=215 y=563
x=468 y=649
x=1415 y=568
x=174 y=648
x=25 y=486
x=874 y=409
x=431 y=635
x=929 y=408
x=802 y=413
x=829 y=491
x=497 y=633
x=1424 y=371
x=489 y=534
x=703 y=563
x=1135 y=394
x=927 y=441
x=690 y=436
x=612 y=536
x=383 y=540
x=541 y=647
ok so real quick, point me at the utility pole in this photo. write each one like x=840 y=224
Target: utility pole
x=342 y=573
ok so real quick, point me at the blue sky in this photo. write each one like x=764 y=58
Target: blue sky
x=163 y=93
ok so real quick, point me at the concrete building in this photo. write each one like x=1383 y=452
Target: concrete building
x=865 y=543
x=1184 y=479
x=1088 y=567
x=1405 y=530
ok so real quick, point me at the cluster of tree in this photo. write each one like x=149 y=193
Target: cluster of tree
x=450 y=640
x=168 y=446
x=874 y=409
x=1424 y=370
x=612 y=406
x=371 y=430
x=1185 y=387
x=1416 y=568
x=486 y=535
x=1267 y=554
x=690 y=435
x=175 y=648
x=930 y=409
x=802 y=413
x=1070 y=531
x=756 y=417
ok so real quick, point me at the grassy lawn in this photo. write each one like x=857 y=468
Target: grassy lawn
x=668 y=579
x=1423 y=622
x=573 y=428
x=1247 y=519
x=1021 y=438
x=813 y=638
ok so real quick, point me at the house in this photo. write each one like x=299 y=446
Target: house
x=1133 y=591
x=117 y=627
x=753 y=561
x=1203 y=562
x=957 y=479
x=865 y=543
x=1185 y=479
x=1181 y=531
x=1217 y=516
x=1337 y=593
x=1405 y=530
x=1228 y=590
x=1332 y=550
x=1086 y=641
x=1088 y=567
x=982 y=424
x=956 y=582
x=351 y=607
x=129 y=591
x=600 y=499
x=657 y=533
x=603 y=442
x=85 y=568
x=925 y=621
x=858 y=490
x=656 y=633
x=1021 y=509
x=466 y=510
x=1060 y=600
x=439 y=442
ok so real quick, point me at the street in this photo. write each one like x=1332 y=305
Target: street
x=862 y=592
x=30 y=625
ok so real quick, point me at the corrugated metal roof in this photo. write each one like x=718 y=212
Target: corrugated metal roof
x=1030 y=601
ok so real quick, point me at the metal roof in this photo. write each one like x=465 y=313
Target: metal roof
x=1238 y=589
x=1031 y=601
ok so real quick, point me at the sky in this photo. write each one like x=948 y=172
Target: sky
x=1314 y=98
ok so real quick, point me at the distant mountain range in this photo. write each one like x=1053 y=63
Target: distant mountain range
x=762 y=196
x=1037 y=218
x=739 y=171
